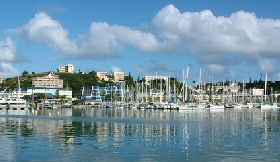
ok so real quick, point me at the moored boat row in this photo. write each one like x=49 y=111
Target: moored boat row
x=13 y=104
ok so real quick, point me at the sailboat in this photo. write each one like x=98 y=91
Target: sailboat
x=16 y=102
x=189 y=105
x=243 y=104
x=267 y=104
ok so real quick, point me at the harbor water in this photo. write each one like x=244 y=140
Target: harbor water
x=118 y=134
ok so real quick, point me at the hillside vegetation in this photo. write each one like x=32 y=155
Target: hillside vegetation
x=75 y=81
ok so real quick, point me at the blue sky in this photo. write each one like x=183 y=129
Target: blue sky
x=233 y=39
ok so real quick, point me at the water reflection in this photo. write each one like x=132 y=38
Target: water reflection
x=143 y=134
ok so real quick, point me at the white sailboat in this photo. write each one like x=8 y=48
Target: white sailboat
x=243 y=103
x=16 y=102
x=266 y=104
x=188 y=105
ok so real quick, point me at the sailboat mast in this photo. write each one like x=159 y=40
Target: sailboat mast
x=265 y=86
x=18 y=93
x=243 y=92
x=200 y=84
x=187 y=79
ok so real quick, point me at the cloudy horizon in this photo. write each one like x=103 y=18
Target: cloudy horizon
x=223 y=46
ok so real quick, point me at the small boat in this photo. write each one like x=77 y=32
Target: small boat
x=228 y=105
x=241 y=106
x=214 y=106
x=268 y=105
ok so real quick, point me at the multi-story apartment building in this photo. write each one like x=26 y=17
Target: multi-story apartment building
x=49 y=81
x=66 y=68
x=1 y=80
x=150 y=78
x=98 y=93
x=102 y=75
x=118 y=76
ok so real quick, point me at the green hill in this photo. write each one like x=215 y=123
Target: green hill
x=75 y=81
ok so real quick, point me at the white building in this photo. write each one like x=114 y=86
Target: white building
x=118 y=76
x=150 y=78
x=49 y=81
x=257 y=92
x=102 y=75
x=1 y=80
x=66 y=68
x=33 y=90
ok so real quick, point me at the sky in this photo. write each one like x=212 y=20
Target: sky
x=218 y=40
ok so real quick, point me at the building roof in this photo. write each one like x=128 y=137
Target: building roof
x=86 y=100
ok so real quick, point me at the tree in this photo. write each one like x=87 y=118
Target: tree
x=111 y=97
x=129 y=80
x=27 y=98
x=43 y=96
x=24 y=73
x=62 y=99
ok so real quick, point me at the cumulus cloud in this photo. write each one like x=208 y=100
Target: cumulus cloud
x=156 y=68
x=214 y=40
x=101 y=42
x=218 y=41
x=7 y=50
x=7 y=70
x=9 y=55
x=267 y=64
x=116 y=69
x=44 y=30
x=203 y=32
x=215 y=68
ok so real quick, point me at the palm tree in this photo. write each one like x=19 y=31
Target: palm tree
x=43 y=98
x=62 y=99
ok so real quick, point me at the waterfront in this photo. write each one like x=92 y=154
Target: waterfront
x=104 y=134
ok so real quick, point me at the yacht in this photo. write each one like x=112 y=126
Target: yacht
x=15 y=103
x=3 y=103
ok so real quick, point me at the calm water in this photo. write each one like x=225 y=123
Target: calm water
x=140 y=135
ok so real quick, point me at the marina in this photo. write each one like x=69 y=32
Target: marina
x=144 y=82
x=123 y=134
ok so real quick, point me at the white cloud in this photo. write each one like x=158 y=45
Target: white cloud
x=201 y=32
x=116 y=69
x=102 y=40
x=208 y=37
x=156 y=67
x=215 y=68
x=267 y=65
x=44 y=30
x=206 y=34
x=9 y=55
x=7 y=70
x=7 y=50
